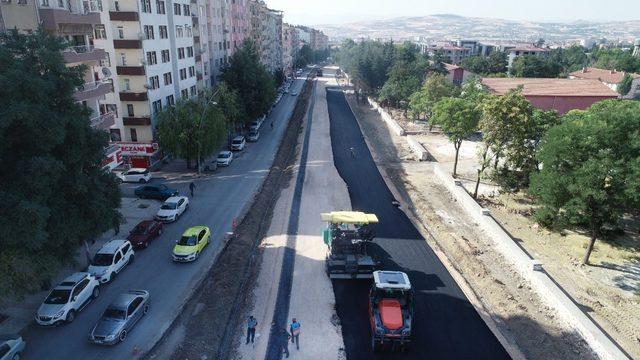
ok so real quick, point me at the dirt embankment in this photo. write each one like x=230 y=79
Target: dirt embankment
x=207 y=325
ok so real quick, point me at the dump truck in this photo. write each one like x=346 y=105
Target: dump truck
x=347 y=235
x=390 y=311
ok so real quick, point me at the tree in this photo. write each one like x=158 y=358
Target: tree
x=534 y=66
x=625 y=85
x=55 y=193
x=305 y=56
x=436 y=87
x=278 y=77
x=405 y=76
x=458 y=119
x=590 y=169
x=248 y=76
x=495 y=63
x=192 y=129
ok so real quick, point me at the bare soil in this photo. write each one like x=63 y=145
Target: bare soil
x=520 y=315
x=206 y=327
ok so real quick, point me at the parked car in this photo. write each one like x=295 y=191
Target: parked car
x=224 y=158
x=159 y=192
x=253 y=136
x=254 y=126
x=140 y=175
x=111 y=259
x=172 y=208
x=238 y=143
x=191 y=244
x=67 y=299
x=11 y=347
x=120 y=317
x=143 y=233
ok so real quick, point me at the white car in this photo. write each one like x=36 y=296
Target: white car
x=172 y=208
x=224 y=158
x=253 y=136
x=254 y=126
x=67 y=299
x=238 y=143
x=139 y=175
x=111 y=259
x=11 y=347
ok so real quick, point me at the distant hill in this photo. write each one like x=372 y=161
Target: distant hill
x=450 y=26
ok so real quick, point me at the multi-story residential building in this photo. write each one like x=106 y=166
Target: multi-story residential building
x=266 y=33
x=240 y=24
x=515 y=51
x=155 y=59
x=636 y=48
x=289 y=48
x=304 y=35
x=200 y=44
x=453 y=54
x=320 y=40
x=218 y=18
x=19 y=14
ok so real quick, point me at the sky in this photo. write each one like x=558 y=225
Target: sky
x=306 y=12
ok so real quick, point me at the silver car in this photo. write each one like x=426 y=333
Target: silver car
x=120 y=317
x=11 y=347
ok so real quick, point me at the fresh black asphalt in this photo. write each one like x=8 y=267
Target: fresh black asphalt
x=445 y=324
x=281 y=310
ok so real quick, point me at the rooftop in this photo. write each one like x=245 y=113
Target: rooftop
x=604 y=75
x=550 y=87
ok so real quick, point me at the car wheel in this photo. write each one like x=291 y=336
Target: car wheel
x=96 y=292
x=142 y=181
x=130 y=261
x=123 y=335
x=145 y=309
x=120 y=181
x=71 y=315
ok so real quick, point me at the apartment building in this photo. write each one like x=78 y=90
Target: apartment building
x=240 y=24
x=200 y=44
x=218 y=22
x=155 y=58
x=19 y=14
x=516 y=51
x=304 y=35
x=453 y=54
x=289 y=48
x=266 y=33
x=319 y=41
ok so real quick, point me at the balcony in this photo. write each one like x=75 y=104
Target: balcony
x=93 y=90
x=123 y=16
x=196 y=39
x=198 y=58
x=136 y=121
x=81 y=53
x=104 y=121
x=127 y=44
x=75 y=13
x=130 y=70
x=133 y=96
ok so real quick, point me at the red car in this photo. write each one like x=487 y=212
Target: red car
x=144 y=232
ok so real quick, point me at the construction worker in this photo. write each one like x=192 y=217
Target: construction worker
x=251 y=328
x=295 y=332
x=284 y=341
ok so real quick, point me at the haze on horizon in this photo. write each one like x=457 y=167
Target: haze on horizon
x=345 y=11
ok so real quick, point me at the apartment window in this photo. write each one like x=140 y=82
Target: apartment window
x=163 y=32
x=193 y=90
x=167 y=78
x=183 y=74
x=192 y=71
x=160 y=7
x=151 y=58
x=154 y=81
x=186 y=10
x=157 y=106
x=127 y=84
x=44 y=2
x=120 y=32
x=165 y=56
x=178 y=31
x=219 y=45
x=184 y=93
x=100 y=32
x=180 y=53
x=170 y=100
x=206 y=68
x=123 y=59
x=146 y=6
x=190 y=51
x=134 y=134
x=148 y=32
x=176 y=9
x=215 y=62
x=130 y=110
x=188 y=31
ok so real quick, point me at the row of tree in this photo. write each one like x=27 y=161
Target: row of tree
x=193 y=129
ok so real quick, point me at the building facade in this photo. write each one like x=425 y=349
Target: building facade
x=266 y=34
x=290 y=48
x=19 y=14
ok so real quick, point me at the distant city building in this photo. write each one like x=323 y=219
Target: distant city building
x=452 y=53
x=289 y=48
x=516 y=51
x=266 y=32
x=636 y=48
x=611 y=78
x=562 y=95
x=456 y=74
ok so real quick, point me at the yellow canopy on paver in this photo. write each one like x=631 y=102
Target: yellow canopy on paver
x=349 y=217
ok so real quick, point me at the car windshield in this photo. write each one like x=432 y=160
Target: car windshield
x=102 y=260
x=188 y=240
x=139 y=230
x=169 y=206
x=237 y=141
x=58 y=297
x=224 y=155
x=253 y=133
x=113 y=313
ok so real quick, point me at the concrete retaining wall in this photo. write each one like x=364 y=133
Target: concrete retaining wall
x=531 y=270
x=391 y=123
x=417 y=148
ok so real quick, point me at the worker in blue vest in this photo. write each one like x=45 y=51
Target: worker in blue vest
x=294 y=328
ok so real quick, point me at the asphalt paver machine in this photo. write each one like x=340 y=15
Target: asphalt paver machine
x=390 y=311
x=347 y=235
